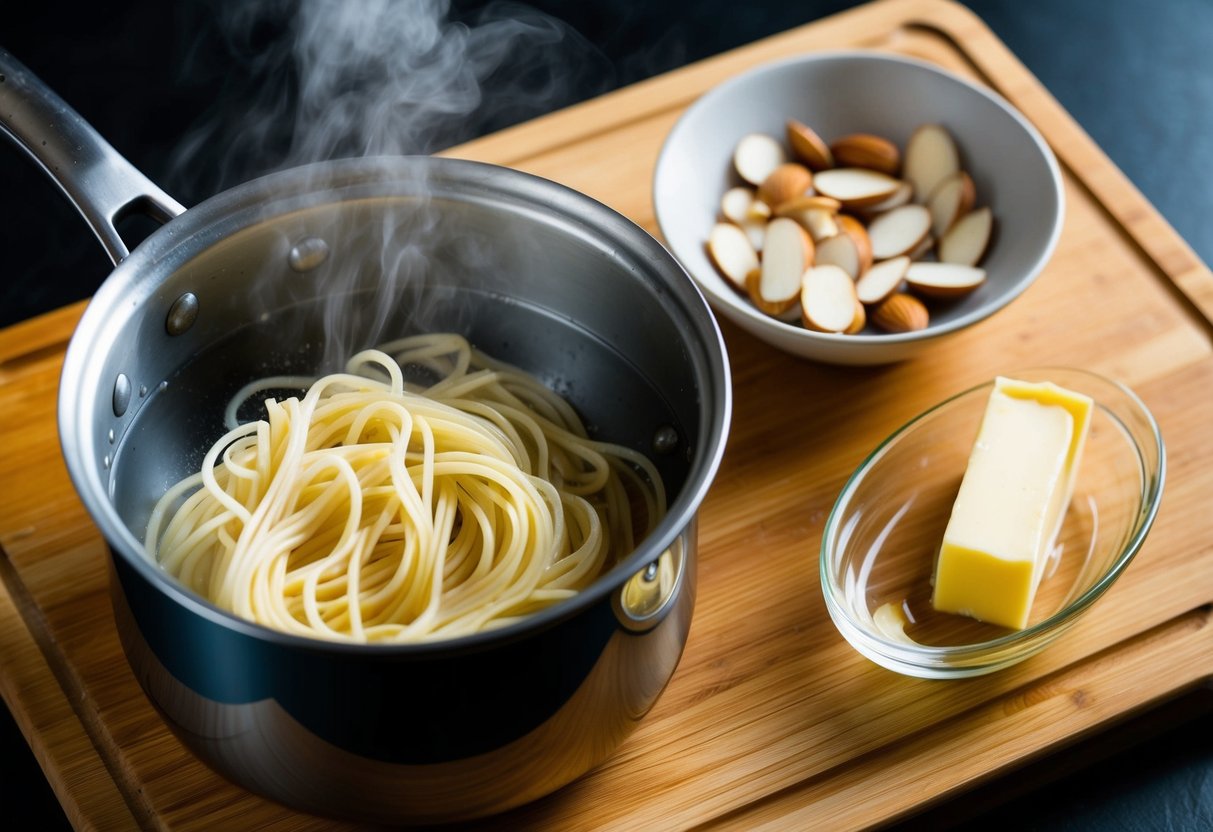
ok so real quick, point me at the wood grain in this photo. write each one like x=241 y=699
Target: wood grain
x=772 y=720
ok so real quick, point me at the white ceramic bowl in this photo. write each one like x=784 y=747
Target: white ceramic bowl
x=838 y=93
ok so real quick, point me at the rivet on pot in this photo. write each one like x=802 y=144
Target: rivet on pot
x=308 y=253
x=110 y=436
x=105 y=463
x=645 y=598
x=182 y=314
x=665 y=440
x=122 y=394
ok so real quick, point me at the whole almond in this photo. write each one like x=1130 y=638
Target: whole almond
x=900 y=312
x=808 y=146
x=863 y=150
x=787 y=182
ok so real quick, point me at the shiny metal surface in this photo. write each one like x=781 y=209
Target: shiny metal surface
x=264 y=745
x=182 y=314
x=531 y=272
x=99 y=182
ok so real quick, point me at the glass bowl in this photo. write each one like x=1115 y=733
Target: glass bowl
x=881 y=539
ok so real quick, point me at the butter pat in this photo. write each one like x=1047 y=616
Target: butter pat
x=1012 y=501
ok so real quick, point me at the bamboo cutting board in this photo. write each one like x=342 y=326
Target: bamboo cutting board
x=772 y=720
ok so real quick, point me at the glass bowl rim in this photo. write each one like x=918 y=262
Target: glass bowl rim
x=935 y=658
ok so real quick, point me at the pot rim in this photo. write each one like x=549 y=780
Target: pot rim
x=138 y=276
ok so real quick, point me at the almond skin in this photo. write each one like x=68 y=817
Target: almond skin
x=864 y=150
x=814 y=202
x=732 y=253
x=808 y=147
x=900 y=312
x=856 y=230
x=861 y=319
x=787 y=182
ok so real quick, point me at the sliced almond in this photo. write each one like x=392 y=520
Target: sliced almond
x=967 y=240
x=756 y=155
x=814 y=213
x=827 y=299
x=951 y=200
x=756 y=230
x=820 y=224
x=864 y=150
x=732 y=253
x=900 y=312
x=788 y=181
x=924 y=248
x=816 y=202
x=899 y=197
x=758 y=210
x=859 y=234
x=899 y=231
x=791 y=315
x=881 y=280
x=859 y=321
x=808 y=147
x=931 y=157
x=944 y=280
x=839 y=250
x=735 y=204
x=787 y=253
x=855 y=187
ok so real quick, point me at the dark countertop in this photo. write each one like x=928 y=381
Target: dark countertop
x=1138 y=77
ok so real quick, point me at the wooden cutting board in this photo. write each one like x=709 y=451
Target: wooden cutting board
x=772 y=719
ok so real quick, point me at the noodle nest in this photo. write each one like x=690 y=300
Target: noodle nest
x=377 y=509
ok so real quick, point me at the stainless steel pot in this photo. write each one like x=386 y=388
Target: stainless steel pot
x=240 y=286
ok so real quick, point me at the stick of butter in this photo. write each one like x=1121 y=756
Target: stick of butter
x=1012 y=501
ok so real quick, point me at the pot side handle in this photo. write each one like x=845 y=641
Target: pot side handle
x=102 y=184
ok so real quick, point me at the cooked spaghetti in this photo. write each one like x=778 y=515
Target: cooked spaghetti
x=375 y=509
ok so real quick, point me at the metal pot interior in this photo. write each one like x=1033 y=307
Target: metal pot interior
x=531 y=273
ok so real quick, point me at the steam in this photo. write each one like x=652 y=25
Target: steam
x=314 y=80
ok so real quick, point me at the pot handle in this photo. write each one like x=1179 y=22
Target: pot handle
x=102 y=184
